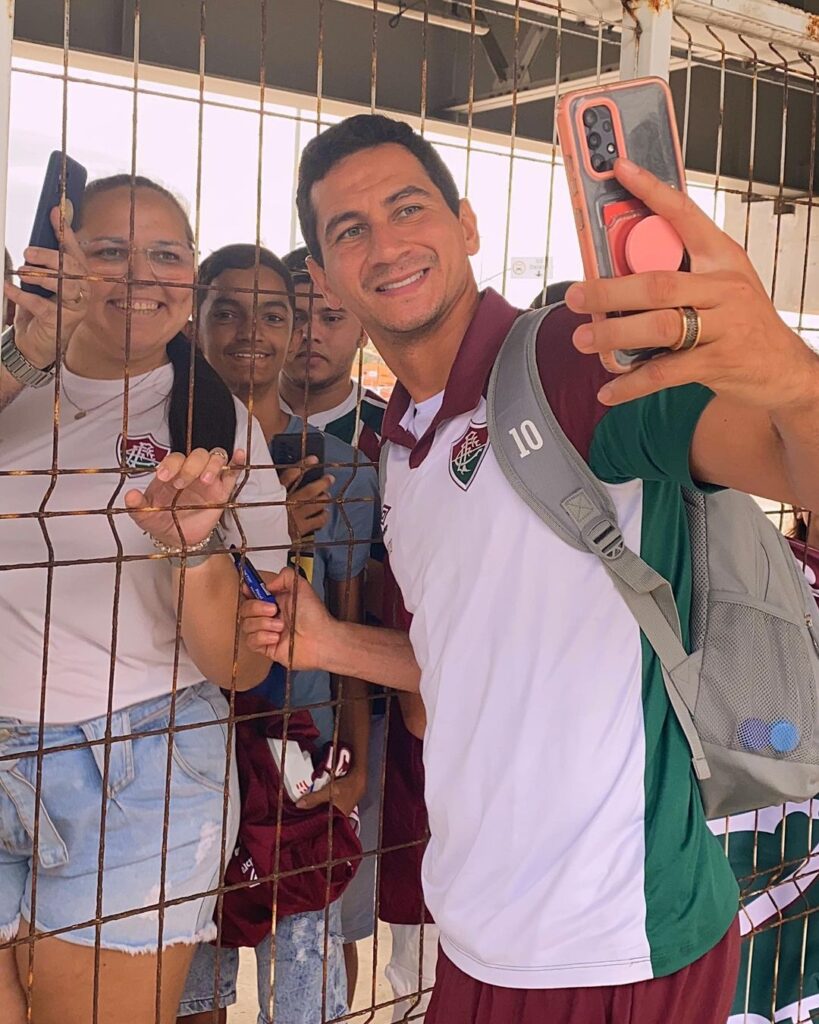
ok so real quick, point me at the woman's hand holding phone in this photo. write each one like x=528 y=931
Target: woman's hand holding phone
x=741 y=339
x=37 y=319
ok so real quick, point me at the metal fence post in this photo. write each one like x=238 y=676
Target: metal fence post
x=6 y=40
x=645 y=48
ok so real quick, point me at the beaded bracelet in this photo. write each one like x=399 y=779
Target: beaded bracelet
x=193 y=554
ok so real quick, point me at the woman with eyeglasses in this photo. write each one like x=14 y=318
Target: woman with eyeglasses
x=118 y=597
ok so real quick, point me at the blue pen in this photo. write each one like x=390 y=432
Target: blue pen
x=255 y=583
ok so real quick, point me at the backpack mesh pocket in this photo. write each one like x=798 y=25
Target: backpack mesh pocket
x=756 y=689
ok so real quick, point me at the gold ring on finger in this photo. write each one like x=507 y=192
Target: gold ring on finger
x=690 y=329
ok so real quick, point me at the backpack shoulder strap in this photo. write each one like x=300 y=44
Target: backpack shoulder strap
x=532 y=449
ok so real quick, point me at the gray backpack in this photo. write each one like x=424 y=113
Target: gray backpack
x=746 y=698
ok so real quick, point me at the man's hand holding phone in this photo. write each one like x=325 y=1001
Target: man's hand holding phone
x=741 y=338
x=307 y=510
x=37 y=319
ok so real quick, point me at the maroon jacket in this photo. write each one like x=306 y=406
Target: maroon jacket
x=314 y=853
x=808 y=558
x=405 y=824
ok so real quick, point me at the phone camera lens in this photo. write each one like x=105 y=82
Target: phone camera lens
x=589 y=117
x=607 y=126
x=611 y=148
x=598 y=162
x=594 y=140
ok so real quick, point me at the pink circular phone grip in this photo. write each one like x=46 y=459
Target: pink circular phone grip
x=653 y=244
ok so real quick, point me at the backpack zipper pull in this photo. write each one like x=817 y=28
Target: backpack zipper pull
x=812 y=631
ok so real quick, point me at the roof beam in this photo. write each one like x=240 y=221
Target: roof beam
x=549 y=89
x=397 y=11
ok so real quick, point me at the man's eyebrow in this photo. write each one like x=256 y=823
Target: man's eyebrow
x=224 y=300
x=405 y=193
x=341 y=218
x=353 y=215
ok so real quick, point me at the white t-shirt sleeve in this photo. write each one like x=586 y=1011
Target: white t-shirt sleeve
x=260 y=514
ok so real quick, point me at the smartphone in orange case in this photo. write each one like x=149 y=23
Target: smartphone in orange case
x=618 y=234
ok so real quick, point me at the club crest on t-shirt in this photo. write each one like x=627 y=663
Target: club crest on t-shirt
x=466 y=454
x=141 y=453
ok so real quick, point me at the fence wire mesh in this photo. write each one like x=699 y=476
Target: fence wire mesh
x=214 y=102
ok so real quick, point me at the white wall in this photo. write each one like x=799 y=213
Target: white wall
x=788 y=257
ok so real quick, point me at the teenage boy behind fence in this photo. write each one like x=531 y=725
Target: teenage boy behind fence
x=246 y=327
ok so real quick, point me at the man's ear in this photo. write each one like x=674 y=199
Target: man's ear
x=319 y=279
x=469 y=226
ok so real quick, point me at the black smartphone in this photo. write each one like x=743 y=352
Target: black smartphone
x=288 y=449
x=42 y=233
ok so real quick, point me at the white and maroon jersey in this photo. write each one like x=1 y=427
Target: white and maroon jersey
x=111 y=610
x=568 y=842
x=359 y=426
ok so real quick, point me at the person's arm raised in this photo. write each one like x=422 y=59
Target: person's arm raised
x=37 y=319
x=759 y=433
x=299 y=632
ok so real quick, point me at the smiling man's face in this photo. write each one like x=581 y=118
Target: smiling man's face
x=394 y=253
x=236 y=347
x=330 y=339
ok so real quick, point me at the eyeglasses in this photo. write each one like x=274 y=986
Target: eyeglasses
x=167 y=260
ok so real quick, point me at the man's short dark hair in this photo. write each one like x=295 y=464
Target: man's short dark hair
x=241 y=256
x=296 y=263
x=350 y=136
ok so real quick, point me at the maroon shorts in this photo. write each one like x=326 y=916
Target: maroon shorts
x=701 y=993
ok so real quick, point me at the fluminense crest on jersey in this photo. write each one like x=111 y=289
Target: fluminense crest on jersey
x=467 y=454
x=142 y=453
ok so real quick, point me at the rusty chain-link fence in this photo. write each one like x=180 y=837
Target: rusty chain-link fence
x=214 y=100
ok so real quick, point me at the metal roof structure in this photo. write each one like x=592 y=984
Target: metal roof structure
x=743 y=72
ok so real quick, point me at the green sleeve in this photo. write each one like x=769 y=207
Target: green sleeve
x=649 y=438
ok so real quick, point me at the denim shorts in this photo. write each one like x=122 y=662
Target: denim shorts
x=62 y=881
x=299 y=992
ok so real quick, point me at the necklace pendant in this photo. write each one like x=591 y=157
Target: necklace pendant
x=81 y=414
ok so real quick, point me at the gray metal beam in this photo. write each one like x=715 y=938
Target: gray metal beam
x=645 y=47
x=549 y=89
x=397 y=10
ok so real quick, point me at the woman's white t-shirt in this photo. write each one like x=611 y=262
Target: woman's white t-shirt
x=76 y=615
